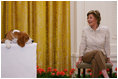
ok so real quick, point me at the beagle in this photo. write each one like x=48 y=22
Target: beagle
x=15 y=36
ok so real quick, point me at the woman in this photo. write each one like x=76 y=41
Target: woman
x=95 y=44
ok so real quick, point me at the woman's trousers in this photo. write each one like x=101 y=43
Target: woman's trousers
x=97 y=60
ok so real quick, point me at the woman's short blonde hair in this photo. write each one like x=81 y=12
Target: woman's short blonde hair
x=96 y=14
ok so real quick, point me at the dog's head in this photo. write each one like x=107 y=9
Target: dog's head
x=22 y=38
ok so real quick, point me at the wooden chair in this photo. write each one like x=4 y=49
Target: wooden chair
x=86 y=65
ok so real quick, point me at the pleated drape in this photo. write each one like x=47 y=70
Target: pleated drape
x=48 y=23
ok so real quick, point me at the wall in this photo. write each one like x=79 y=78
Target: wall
x=79 y=9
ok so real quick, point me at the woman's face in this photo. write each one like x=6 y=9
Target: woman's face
x=92 y=21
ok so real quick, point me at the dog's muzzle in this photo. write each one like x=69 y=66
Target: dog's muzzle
x=32 y=41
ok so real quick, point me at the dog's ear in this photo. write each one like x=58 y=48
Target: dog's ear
x=21 y=41
x=9 y=36
x=3 y=40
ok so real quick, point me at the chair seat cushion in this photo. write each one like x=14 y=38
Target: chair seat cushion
x=86 y=65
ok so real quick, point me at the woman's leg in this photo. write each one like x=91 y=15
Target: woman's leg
x=95 y=69
x=89 y=58
x=101 y=61
x=96 y=58
x=104 y=72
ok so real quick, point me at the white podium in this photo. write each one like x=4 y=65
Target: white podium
x=18 y=62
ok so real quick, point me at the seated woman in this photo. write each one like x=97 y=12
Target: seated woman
x=95 y=44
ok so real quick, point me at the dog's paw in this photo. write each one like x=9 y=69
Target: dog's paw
x=8 y=46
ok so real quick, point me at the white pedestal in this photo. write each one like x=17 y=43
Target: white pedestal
x=18 y=62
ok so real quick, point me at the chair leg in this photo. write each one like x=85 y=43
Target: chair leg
x=79 y=72
x=110 y=73
x=84 y=72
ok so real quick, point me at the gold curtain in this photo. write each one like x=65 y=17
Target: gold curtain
x=47 y=22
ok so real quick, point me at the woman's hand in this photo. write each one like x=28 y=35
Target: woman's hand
x=108 y=61
x=79 y=61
